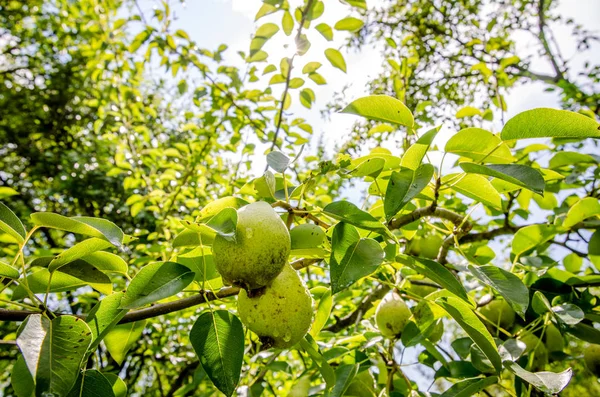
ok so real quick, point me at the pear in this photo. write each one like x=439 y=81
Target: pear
x=391 y=315
x=540 y=359
x=499 y=313
x=259 y=251
x=307 y=236
x=425 y=247
x=591 y=356
x=282 y=313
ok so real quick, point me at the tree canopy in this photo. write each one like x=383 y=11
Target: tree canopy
x=130 y=199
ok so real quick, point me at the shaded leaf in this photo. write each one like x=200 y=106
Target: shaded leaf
x=120 y=338
x=404 y=186
x=506 y=284
x=91 y=383
x=520 y=175
x=10 y=224
x=469 y=387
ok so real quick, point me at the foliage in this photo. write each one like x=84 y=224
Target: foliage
x=115 y=180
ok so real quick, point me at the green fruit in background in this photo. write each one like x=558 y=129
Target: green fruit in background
x=391 y=315
x=281 y=314
x=554 y=339
x=259 y=251
x=421 y=290
x=214 y=207
x=540 y=358
x=307 y=235
x=425 y=247
x=591 y=356
x=499 y=313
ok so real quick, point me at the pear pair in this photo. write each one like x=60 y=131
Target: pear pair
x=274 y=302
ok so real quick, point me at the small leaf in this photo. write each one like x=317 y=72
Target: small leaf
x=311 y=67
x=550 y=123
x=540 y=304
x=469 y=387
x=104 y=316
x=8 y=271
x=352 y=258
x=287 y=23
x=506 y=284
x=475 y=187
x=91 y=383
x=437 y=273
x=322 y=313
x=278 y=161
x=465 y=317
x=336 y=59
x=468 y=111
x=371 y=167
x=218 y=340
x=349 y=24
x=521 y=175
x=530 y=237
x=546 y=382
x=122 y=337
x=347 y=212
x=224 y=223
x=93 y=227
x=569 y=313
x=414 y=154
x=583 y=209
x=343 y=377
x=10 y=224
x=154 y=282
x=381 y=108
x=78 y=251
x=325 y=31
x=479 y=145
x=309 y=345
x=404 y=186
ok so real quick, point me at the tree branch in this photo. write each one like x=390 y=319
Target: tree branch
x=434 y=211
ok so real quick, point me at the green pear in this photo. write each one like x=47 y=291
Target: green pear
x=282 y=313
x=391 y=315
x=591 y=356
x=422 y=290
x=425 y=247
x=259 y=251
x=540 y=359
x=499 y=313
x=554 y=339
x=307 y=235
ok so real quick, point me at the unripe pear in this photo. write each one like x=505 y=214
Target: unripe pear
x=425 y=247
x=391 y=315
x=591 y=356
x=307 y=235
x=282 y=313
x=554 y=339
x=540 y=358
x=499 y=313
x=259 y=251
x=422 y=290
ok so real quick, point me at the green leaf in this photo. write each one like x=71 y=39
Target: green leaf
x=154 y=282
x=564 y=158
x=93 y=227
x=322 y=313
x=547 y=382
x=312 y=349
x=381 y=108
x=218 y=340
x=414 y=155
x=6 y=191
x=21 y=379
x=189 y=238
x=278 y=161
x=465 y=317
x=530 y=237
x=262 y=35
x=264 y=10
x=104 y=316
x=357 y=3
x=258 y=56
x=344 y=375
x=540 y=304
x=469 y=387
x=91 y=383
x=550 y=123
x=106 y=262
x=8 y=271
x=404 y=186
x=347 y=212
x=71 y=276
x=352 y=258
x=200 y=260
x=437 y=273
x=480 y=146
x=311 y=67
x=583 y=209
x=54 y=351
x=506 y=284
x=371 y=167
x=521 y=175
x=287 y=23
x=349 y=24
x=475 y=187
x=119 y=386
x=325 y=31
x=10 y=224
x=77 y=251
x=468 y=111
x=336 y=59
x=120 y=338
x=569 y=313
x=585 y=332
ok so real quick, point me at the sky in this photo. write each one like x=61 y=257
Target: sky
x=212 y=22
